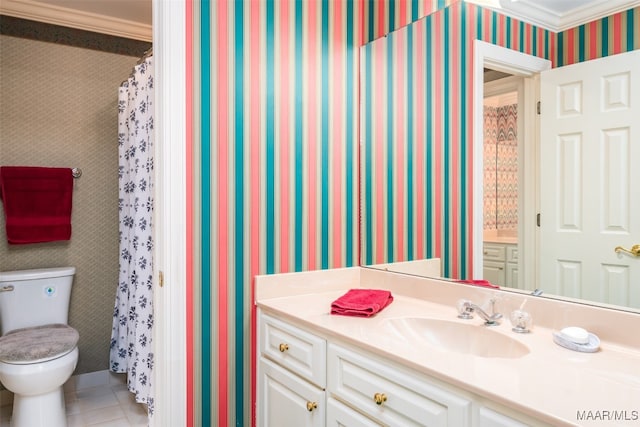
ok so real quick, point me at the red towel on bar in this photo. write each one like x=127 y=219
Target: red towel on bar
x=479 y=282
x=361 y=302
x=37 y=203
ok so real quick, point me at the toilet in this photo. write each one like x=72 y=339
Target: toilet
x=38 y=350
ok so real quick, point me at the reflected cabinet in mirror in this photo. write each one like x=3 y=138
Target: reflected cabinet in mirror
x=462 y=164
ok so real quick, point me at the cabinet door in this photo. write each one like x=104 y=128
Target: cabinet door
x=494 y=272
x=286 y=400
x=511 y=275
x=391 y=394
x=512 y=253
x=340 y=415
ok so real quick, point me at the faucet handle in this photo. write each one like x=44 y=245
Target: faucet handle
x=521 y=321
x=463 y=309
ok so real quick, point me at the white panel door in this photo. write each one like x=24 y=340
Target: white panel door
x=590 y=190
x=286 y=400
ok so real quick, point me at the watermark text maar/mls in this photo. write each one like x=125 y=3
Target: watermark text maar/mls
x=608 y=415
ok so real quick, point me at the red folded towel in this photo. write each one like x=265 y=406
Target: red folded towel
x=361 y=302
x=37 y=203
x=479 y=282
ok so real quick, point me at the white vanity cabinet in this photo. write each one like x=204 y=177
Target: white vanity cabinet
x=500 y=264
x=307 y=380
x=291 y=375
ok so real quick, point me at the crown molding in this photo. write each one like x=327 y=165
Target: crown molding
x=534 y=13
x=50 y=14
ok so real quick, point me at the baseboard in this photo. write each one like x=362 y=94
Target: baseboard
x=93 y=379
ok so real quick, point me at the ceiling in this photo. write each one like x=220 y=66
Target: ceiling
x=132 y=18
x=557 y=15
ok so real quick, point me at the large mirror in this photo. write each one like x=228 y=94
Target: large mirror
x=440 y=179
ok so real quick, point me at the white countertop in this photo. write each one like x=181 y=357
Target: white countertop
x=500 y=236
x=502 y=240
x=549 y=383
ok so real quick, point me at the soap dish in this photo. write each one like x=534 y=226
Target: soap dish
x=591 y=346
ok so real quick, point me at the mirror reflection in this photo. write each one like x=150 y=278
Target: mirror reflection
x=502 y=124
x=420 y=163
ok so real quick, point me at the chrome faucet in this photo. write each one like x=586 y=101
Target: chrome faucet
x=465 y=309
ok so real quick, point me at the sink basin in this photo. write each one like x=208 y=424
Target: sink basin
x=466 y=338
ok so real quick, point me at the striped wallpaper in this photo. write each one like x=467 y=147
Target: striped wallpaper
x=416 y=124
x=276 y=86
x=278 y=185
x=608 y=36
x=380 y=17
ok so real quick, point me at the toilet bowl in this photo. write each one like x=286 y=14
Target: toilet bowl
x=38 y=350
x=38 y=398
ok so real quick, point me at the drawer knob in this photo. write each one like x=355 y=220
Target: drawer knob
x=284 y=347
x=379 y=398
x=311 y=406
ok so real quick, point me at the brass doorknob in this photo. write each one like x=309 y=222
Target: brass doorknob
x=311 y=406
x=379 y=398
x=635 y=250
x=284 y=347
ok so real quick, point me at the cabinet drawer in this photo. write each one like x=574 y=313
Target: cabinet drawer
x=340 y=415
x=512 y=253
x=491 y=414
x=286 y=400
x=408 y=399
x=299 y=351
x=493 y=252
x=489 y=418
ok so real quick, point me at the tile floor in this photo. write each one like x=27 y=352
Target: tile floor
x=105 y=405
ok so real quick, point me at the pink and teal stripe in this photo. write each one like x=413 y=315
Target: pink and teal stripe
x=276 y=146
x=611 y=35
x=424 y=210
x=278 y=190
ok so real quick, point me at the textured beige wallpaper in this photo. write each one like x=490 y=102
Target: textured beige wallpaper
x=58 y=107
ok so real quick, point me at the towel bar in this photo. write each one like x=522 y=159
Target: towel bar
x=76 y=172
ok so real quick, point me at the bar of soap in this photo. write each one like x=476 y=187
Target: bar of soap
x=575 y=334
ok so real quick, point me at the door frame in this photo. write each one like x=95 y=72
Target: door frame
x=500 y=87
x=519 y=64
x=171 y=224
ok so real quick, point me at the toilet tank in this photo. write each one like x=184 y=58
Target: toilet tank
x=34 y=297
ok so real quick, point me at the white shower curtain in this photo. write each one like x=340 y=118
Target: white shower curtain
x=131 y=347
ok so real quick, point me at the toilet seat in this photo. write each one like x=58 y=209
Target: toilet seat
x=37 y=344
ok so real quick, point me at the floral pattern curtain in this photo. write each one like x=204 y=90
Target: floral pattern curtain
x=131 y=338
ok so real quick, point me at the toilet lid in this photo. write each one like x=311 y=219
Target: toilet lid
x=38 y=343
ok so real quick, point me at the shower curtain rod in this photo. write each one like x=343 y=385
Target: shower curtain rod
x=145 y=55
